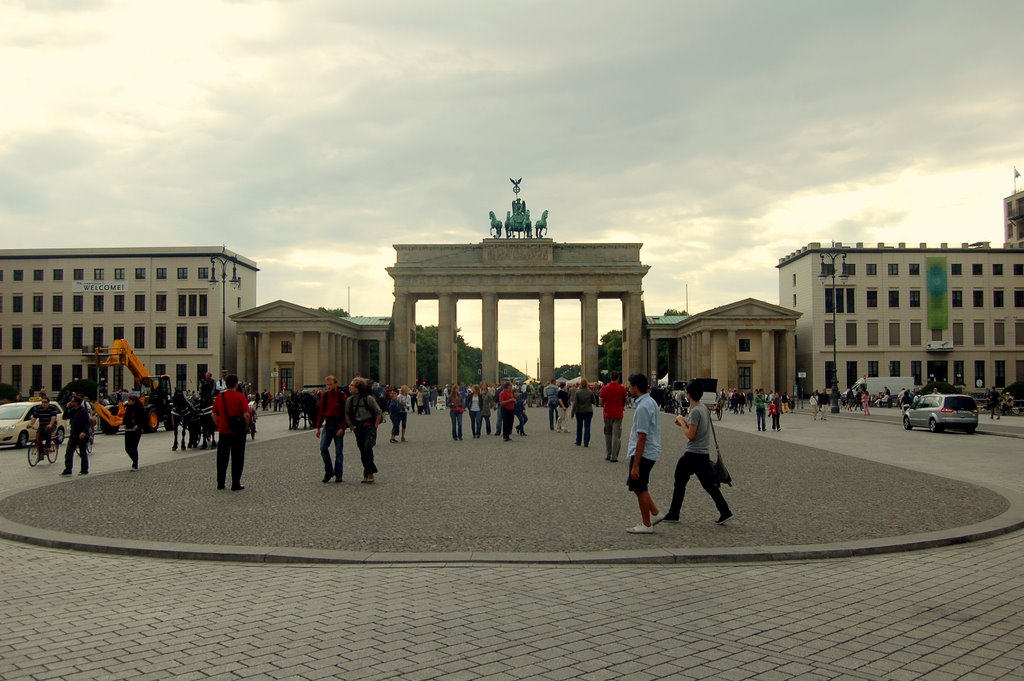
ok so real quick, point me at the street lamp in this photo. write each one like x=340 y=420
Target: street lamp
x=235 y=282
x=829 y=256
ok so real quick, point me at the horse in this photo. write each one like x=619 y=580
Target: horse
x=310 y=405
x=495 y=226
x=520 y=230
x=541 y=226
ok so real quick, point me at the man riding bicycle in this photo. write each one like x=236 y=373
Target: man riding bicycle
x=46 y=414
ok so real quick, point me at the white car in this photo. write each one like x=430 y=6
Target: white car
x=14 y=420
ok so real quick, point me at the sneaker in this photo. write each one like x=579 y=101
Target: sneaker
x=641 y=529
x=669 y=519
x=655 y=519
x=723 y=519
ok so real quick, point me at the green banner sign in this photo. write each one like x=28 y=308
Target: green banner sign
x=938 y=293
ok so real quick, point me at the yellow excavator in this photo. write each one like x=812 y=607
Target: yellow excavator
x=155 y=390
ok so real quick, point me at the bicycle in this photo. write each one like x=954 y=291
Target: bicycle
x=47 y=448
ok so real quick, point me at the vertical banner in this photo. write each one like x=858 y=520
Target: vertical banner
x=938 y=293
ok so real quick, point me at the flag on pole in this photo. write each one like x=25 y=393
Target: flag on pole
x=1016 y=173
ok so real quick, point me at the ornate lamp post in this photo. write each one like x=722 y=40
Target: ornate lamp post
x=829 y=256
x=235 y=282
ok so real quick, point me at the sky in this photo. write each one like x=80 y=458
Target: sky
x=312 y=135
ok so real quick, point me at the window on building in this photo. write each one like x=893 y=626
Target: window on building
x=871 y=269
x=57 y=338
x=958 y=334
x=97 y=303
x=849 y=269
x=997 y=269
x=160 y=339
x=79 y=274
x=78 y=303
x=957 y=299
x=872 y=298
x=37 y=303
x=894 y=334
x=977 y=269
x=182 y=305
x=956 y=269
x=894 y=298
x=118 y=274
x=37 y=375
x=140 y=337
x=286 y=347
x=744 y=345
x=794 y=279
x=1018 y=334
x=979 y=298
x=76 y=372
x=1018 y=298
x=997 y=298
x=998 y=333
x=58 y=275
x=161 y=302
x=894 y=367
x=204 y=273
x=17 y=304
x=97 y=274
x=201 y=370
x=160 y=369
x=37 y=338
x=161 y=272
x=851 y=333
x=37 y=275
x=97 y=336
x=915 y=371
x=182 y=273
x=893 y=269
x=1000 y=366
x=872 y=368
x=958 y=372
x=872 y=333
x=77 y=338
x=58 y=303
x=19 y=275
x=794 y=300
x=16 y=338
x=203 y=338
x=192 y=305
x=979 y=333
x=180 y=376
x=915 y=298
x=140 y=272
x=118 y=333
x=914 y=269
x=979 y=371
x=745 y=378
x=1018 y=269
x=56 y=377
x=140 y=302
x=181 y=338
x=915 y=334
x=118 y=302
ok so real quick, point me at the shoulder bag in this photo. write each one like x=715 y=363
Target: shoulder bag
x=721 y=472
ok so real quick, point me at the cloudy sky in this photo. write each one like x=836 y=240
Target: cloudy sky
x=311 y=135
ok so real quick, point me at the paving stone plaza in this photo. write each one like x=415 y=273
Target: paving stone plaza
x=480 y=559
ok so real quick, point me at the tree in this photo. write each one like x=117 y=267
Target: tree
x=81 y=386
x=672 y=312
x=568 y=371
x=609 y=353
x=8 y=393
x=336 y=311
x=470 y=359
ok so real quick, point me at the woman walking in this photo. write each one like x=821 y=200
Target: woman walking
x=400 y=408
x=475 y=402
x=364 y=416
x=454 y=404
x=583 y=410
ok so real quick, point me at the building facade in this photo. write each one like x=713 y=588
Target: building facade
x=1013 y=221
x=171 y=304
x=934 y=313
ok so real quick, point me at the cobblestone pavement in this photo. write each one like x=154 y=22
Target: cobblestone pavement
x=944 y=613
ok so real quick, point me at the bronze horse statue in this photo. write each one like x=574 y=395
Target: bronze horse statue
x=540 y=227
x=496 y=226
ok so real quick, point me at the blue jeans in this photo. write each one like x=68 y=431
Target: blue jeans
x=456 y=424
x=328 y=434
x=475 y=421
x=552 y=415
x=760 y=418
x=583 y=427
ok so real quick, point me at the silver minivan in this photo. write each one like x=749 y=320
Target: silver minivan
x=939 y=412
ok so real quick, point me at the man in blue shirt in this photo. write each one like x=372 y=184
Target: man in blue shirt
x=644 y=450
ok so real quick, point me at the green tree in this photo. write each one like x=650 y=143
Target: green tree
x=609 y=353
x=336 y=311
x=568 y=371
x=470 y=358
x=7 y=392
x=82 y=386
x=426 y=354
x=672 y=312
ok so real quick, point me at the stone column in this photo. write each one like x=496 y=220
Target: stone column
x=632 y=332
x=382 y=360
x=767 y=377
x=679 y=371
x=323 y=352
x=332 y=353
x=490 y=338
x=547 y=337
x=263 y=372
x=732 y=371
x=652 y=358
x=705 y=354
x=241 y=352
x=445 y=338
x=299 y=379
x=588 y=326
x=411 y=311
x=399 y=342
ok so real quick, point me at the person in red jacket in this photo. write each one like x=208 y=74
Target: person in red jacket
x=613 y=398
x=507 y=407
x=229 y=406
x=331 y=416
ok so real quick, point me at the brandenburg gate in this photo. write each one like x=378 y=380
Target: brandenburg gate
x=515 y=269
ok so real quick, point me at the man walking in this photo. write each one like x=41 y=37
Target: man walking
x=696 y=460
x=551 y=399
x=78 y=439
x=331 y=415
x=135 y=420
x=644 y=450
x=507 y=407
x=613 y=400
x=231 y=411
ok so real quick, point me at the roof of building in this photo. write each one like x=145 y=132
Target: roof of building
x=901 y=247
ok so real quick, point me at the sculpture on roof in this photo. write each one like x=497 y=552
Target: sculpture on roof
x=518 y=223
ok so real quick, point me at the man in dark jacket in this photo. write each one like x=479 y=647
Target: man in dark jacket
x=135 y=420
x=78 y=439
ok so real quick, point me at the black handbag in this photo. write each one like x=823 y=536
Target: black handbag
x=721 y=472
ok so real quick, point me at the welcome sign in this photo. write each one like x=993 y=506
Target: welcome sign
x=99 y=286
